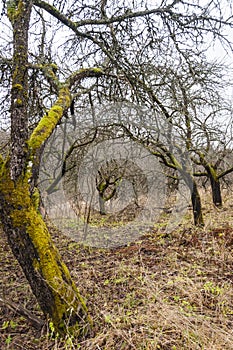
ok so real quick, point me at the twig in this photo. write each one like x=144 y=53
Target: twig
x=35 y=321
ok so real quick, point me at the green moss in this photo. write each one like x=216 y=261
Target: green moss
x=53 y=66
x=36 y=199
x=54 y=272
x=50 y=71
x=90 y=71
x=97 y=70
x=50 y=119
x=14 y=9
x=102 y=186
x=11 y=9
x=85 y=73
x=48 y=123
x=48 y=264
x=17 y=87
x=212 y=172
x=1 y=163
x=19 y=102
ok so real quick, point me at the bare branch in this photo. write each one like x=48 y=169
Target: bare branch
x=35 y=321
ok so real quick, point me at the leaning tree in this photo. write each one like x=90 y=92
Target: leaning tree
x=202 y=115
x=52 y=57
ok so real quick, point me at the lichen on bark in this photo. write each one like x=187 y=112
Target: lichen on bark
x=12 y=9
x=25 y=229
x=49 y=121
x=19 y=15
x=48 y=276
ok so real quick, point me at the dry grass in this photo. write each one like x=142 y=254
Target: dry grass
x=169 y=292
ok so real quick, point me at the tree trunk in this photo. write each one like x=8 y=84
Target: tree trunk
x=195 y=198
x=196 y=205
x=215 y=184
x=102 y=205
x=216 y=191
x=19 y=16
x=23 y=225
x=32 y=246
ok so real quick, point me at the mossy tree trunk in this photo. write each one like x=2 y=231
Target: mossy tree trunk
x=195 y=198
x=19 y=16
x=216 y=192
x=215 y=186
x=196 y=206
x=211 y=171
x=27 y=233
x=31 y=244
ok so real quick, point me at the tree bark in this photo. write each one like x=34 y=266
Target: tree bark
x=19 y=16
x=215 y=187
x=27 y=233
x=216 y=192
x=214 y=182
x=31 y=244
x=102 y=205
x=195 y=198
x=196 y=205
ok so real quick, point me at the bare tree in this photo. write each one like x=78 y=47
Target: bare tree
x=212 y=153
x=202 y=115
x=193 y=106
x=48 y=80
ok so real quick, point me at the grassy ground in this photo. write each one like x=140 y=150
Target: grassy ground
x=165 y=291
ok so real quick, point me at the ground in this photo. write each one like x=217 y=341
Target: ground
x=166 y=291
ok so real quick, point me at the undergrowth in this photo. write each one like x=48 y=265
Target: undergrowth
x=167 y=291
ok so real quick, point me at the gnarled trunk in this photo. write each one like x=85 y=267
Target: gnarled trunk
x=32 y=246
x=27 y=233
x=195 y=198
x=215 y=184
x=216 y=191
x=196 y=205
